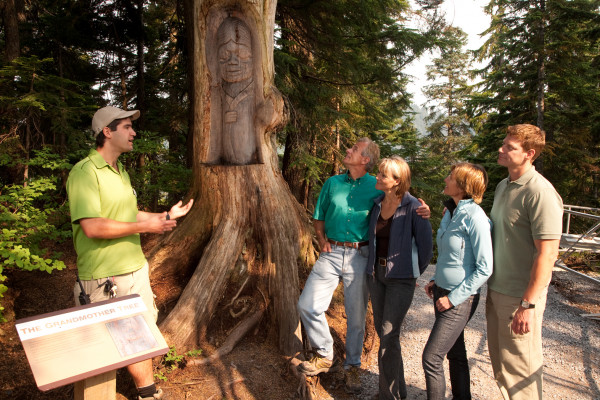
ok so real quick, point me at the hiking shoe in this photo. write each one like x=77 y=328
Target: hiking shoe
x=315 y=365
x=352 y=380
x=157 y=396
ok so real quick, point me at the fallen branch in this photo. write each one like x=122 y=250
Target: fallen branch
x=190 y=383
x=234 y=337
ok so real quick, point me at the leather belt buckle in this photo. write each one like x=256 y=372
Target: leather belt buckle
x=353 y=245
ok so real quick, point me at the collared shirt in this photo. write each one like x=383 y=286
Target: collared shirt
x=344 y=204
x=97 y=190
x=465 y=256
x=524 y=210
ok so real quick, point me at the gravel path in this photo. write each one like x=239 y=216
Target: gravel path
x=571 y=349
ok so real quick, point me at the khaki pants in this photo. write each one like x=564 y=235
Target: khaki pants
x=136 y=282
x=516 y=359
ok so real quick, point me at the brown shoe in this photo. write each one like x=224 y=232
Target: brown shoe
x=352 y=380
x=315 y=365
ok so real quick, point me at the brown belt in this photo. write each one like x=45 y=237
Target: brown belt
x=354 y=245
x=381 y=261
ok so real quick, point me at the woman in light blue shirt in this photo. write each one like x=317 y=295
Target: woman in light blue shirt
x=464 y=264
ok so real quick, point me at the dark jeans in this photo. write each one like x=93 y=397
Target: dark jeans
x=391 y=299
x=447 y=337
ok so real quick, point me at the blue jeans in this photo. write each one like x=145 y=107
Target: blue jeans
x=391 y=299
x=343 y=264
x=447 y=338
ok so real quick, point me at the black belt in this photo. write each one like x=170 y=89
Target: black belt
x=354 y=245
x=382 y=261
x=441 y=291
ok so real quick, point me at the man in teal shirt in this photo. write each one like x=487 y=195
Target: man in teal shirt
x=106 y=226
x=341 y=220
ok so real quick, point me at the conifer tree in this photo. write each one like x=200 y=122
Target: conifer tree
x=448 y=123
x=541 y=70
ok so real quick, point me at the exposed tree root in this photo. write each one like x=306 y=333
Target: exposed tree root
x=234 y=337
x=305 y=388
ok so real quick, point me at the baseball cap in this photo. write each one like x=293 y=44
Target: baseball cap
x=106 y=115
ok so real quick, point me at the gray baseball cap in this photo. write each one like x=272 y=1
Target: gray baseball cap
x=106 y=115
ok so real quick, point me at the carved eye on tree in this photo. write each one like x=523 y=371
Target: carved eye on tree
x=244 y=53
x=224 y=54
x=233 y=51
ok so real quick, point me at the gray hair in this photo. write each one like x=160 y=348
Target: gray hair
x=371 y=151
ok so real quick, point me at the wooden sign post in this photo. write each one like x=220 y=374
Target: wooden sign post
x=87 y=344
x=103 y=386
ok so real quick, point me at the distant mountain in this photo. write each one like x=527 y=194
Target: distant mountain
x=419 y=116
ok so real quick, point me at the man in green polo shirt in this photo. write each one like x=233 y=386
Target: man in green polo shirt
x=106 y=226
x=527 y=226
x=341 y=221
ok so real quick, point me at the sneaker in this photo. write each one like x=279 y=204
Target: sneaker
x=352 y=380
x=315 y=365
x=157 y=396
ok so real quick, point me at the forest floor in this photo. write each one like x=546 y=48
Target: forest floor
x=254 y=369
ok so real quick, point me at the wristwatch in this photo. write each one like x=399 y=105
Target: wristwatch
x=526 y=305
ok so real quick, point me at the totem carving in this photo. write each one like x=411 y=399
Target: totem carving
x=234 y=94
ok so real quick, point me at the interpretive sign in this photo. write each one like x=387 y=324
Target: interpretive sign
x=70 y=345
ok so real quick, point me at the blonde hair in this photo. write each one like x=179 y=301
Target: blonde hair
x=398 y=169
x=530 y=136
x=471 y=179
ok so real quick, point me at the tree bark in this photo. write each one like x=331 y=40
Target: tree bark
x=245 y=223
x=11 y=30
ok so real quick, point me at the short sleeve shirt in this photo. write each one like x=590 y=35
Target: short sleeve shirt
x=524 y=210
x=96 y=190
x=344 y=205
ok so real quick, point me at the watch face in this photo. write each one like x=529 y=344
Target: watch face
x=526 y=304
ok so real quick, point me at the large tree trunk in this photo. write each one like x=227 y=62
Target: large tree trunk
x=11 y=29
x=246 y=234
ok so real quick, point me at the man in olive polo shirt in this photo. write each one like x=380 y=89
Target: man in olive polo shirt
x=106 y=226
x=341 y=220
x=527 y=226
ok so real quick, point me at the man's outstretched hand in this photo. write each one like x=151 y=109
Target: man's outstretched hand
x=179 y=210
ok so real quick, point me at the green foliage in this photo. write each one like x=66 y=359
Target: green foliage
x=40 y=106
x=159 y=177
x=194 y=353
x=172 y=361
x=31 y=216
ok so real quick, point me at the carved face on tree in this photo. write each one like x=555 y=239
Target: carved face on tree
x=235 y=50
